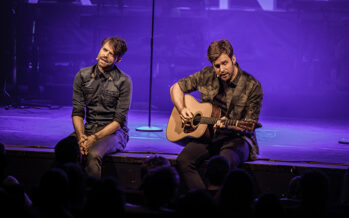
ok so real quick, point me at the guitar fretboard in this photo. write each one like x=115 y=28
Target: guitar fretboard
x=213 y=120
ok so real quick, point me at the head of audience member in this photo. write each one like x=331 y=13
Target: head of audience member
x=196 y=203
x=217 y=169
x=268 y=205
x=13 y=201
x=237 y=193
x=3 y=162
x=345 y=190
x=153 y=162
x=314 y=186
x=294 y=188
x=67 y=150
x=52 y=194
x=105 y=198
x=160 y=186
x=76 y=183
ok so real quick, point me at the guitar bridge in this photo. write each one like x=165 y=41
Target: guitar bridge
x=188 y=127
x=192 y=125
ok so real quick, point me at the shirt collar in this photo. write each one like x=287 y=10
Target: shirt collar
x=98 y=74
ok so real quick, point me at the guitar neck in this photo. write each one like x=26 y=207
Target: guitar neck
x=213 y=120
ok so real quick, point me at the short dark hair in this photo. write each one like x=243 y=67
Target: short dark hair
x=119 y=45
x=217 y=169
x=67 y=150
x=3 y=161
x=314 y=186
x=153 y=162
x=160 y=186
x=217 y=48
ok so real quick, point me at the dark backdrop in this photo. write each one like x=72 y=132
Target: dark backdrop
x=299 y=50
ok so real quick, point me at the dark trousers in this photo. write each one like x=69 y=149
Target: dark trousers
x=233 y=148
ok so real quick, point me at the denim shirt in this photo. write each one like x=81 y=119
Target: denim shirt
x=106 y=97
x=244 y=92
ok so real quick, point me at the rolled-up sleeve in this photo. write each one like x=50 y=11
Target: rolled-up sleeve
x=123 y=104
x=78 y=97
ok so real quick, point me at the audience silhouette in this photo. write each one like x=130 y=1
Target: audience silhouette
x=217 y=169
x=314 y=187
x=237 y=194
x=66 y=191
x=52 y=195
x=268 y=205
x=196 y=203
x=105 y=199
x=14 y=201
x=160 y=186
x=67 y=150
x=153 y=162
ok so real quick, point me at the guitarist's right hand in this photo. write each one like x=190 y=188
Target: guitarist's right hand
x=186 y=115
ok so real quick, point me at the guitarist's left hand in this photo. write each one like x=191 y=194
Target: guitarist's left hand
x=221 y=123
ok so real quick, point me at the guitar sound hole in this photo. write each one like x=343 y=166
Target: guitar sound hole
x=196 y=119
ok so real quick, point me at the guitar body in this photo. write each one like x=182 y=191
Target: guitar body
x=176 y=130
x=204 y=114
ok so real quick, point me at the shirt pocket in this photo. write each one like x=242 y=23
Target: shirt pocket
x=207 y=93
x=88 y=94
x=110 y=98
x=240 y=111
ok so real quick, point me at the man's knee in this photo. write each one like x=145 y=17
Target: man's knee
x=183 y=161
x=93 y=156
x=180 y=161
x=232 y=157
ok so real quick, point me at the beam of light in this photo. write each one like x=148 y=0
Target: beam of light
x=223 y=4
x=33 y=1
x=267 y=5
x=86 y=2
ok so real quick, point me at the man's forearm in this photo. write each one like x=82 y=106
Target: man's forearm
x=107 y=130
x=78 y=123
x=177 y=97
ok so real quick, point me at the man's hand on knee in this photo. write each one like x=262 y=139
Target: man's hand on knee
x=90 y=140
x=82 y=139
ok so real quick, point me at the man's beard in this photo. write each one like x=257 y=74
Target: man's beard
x=104 y=60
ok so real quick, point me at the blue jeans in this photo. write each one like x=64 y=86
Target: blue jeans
x=107 y=145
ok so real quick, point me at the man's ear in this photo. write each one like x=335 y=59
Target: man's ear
x=233 y=59
x=118 y=60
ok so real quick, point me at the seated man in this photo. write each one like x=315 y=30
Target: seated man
x=105 y=91
x=237 y=94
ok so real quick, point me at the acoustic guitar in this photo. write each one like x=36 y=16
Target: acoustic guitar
x=204 y=114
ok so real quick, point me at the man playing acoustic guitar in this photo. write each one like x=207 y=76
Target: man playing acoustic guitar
x=237 y=95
